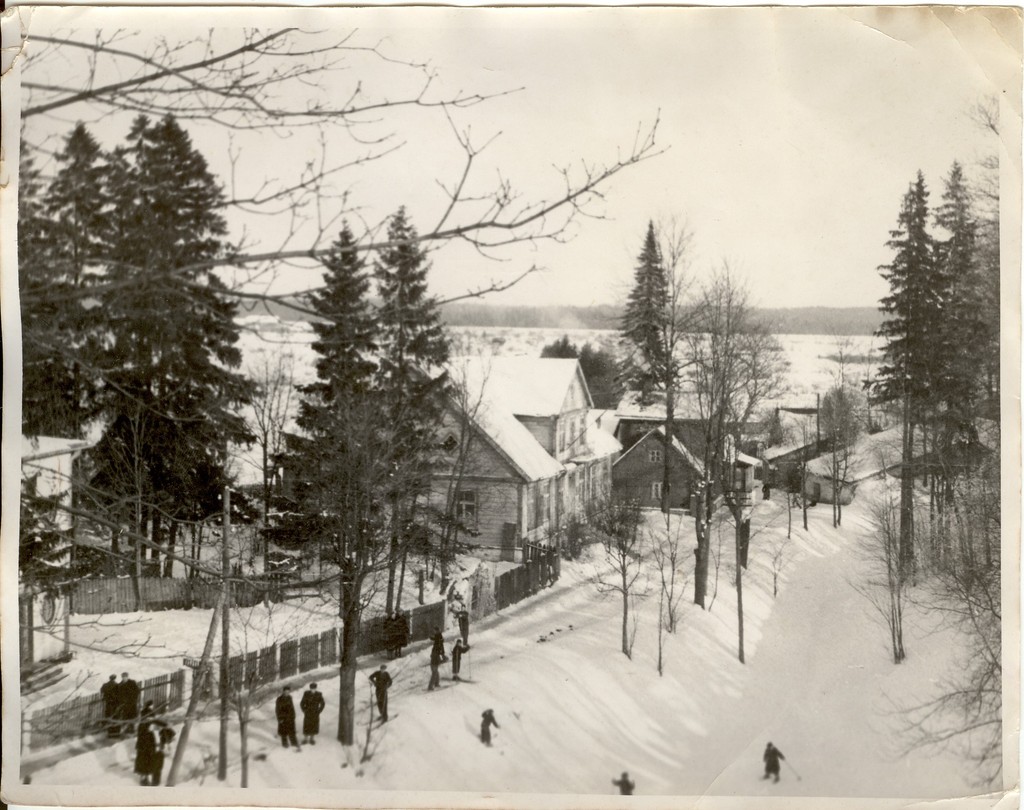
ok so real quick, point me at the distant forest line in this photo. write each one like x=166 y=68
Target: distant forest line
x=786 y=321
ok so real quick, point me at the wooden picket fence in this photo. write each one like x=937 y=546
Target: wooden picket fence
x=82 y=716
x=295 y=656
x=539 y=571
x=117 y=594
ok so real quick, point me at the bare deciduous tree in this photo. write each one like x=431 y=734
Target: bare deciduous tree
x=617 y=523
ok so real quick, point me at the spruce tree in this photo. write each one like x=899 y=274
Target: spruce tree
x=344 y=458
x=61 y=233
x=645 y=314
x=963 y=322
x=169 y=354
x=413 y=348
x=911 y=329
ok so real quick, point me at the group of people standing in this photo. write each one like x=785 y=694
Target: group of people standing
x=120 y=704
x=396 y=632
x=312 y=706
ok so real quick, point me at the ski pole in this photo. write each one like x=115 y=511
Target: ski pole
x=798 y=778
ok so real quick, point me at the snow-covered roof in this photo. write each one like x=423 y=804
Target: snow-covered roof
x=484 y=397
x=605 y=418
x=686 y=406
x=679 y=447
x=35 y=448
x=872 y=453
x=600 y=438
x=750 y=461
x=535 y=386
x=799 y=430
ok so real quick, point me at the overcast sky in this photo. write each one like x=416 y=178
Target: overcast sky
x=790 y=135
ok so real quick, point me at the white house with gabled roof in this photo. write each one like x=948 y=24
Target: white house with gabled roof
x=523 y=451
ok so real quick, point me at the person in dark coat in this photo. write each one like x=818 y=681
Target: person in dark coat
x=109 y=694
x=624 y=784
x=145 y=749
x=165 y=736
x=128 y=700
x=148 y=711
x=312 y=704
x=437 y=657
x=401 y=630
x=462 y=616
x=457 y=652
x=285 y=711
x=381 y=681
x=772 y=755
x=487 y=720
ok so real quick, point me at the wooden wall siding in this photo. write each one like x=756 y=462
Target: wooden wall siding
x=544 y=429
x=633 y=475
x=481 y=458
x=497 y=504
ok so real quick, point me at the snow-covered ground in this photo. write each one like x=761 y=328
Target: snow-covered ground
x=574 y=712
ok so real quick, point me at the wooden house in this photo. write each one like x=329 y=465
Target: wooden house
x=46 y=465
x=523 y=452
x=639 y=473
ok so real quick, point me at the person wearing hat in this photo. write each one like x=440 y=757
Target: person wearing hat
x=284 y=709
x=312 y=704
x=110 y=696
x=381 y=681
x=624 y=784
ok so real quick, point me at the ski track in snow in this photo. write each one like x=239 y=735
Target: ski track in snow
x=574 y=712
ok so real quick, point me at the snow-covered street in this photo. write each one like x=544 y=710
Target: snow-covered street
x=574 y=712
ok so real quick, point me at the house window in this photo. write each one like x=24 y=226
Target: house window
x=450 y=444
x=656 y=490
x=465 y=507
x=654 y=455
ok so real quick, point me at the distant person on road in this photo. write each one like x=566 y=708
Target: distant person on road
x=624 y=784
x=487 y=720
x=128 y=701
x=457 y=652
x=437 y=657
x=381 y=681
x=284 y=709
x=110 y=694
x=312 y=704
x=772 y=755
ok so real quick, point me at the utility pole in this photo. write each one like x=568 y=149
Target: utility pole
x=225 y=647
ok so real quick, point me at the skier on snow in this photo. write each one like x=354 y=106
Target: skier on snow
x=284 y=709
x=457 y=652
x=312 y=704
x=624 y=784
x=437 y=657
x=462 y=615
x=381 y=681
x=487 y=720
x=772 y=755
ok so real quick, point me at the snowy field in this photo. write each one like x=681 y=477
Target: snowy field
x=574 y=712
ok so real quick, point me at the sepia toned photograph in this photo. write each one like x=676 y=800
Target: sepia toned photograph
x=511 y=407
